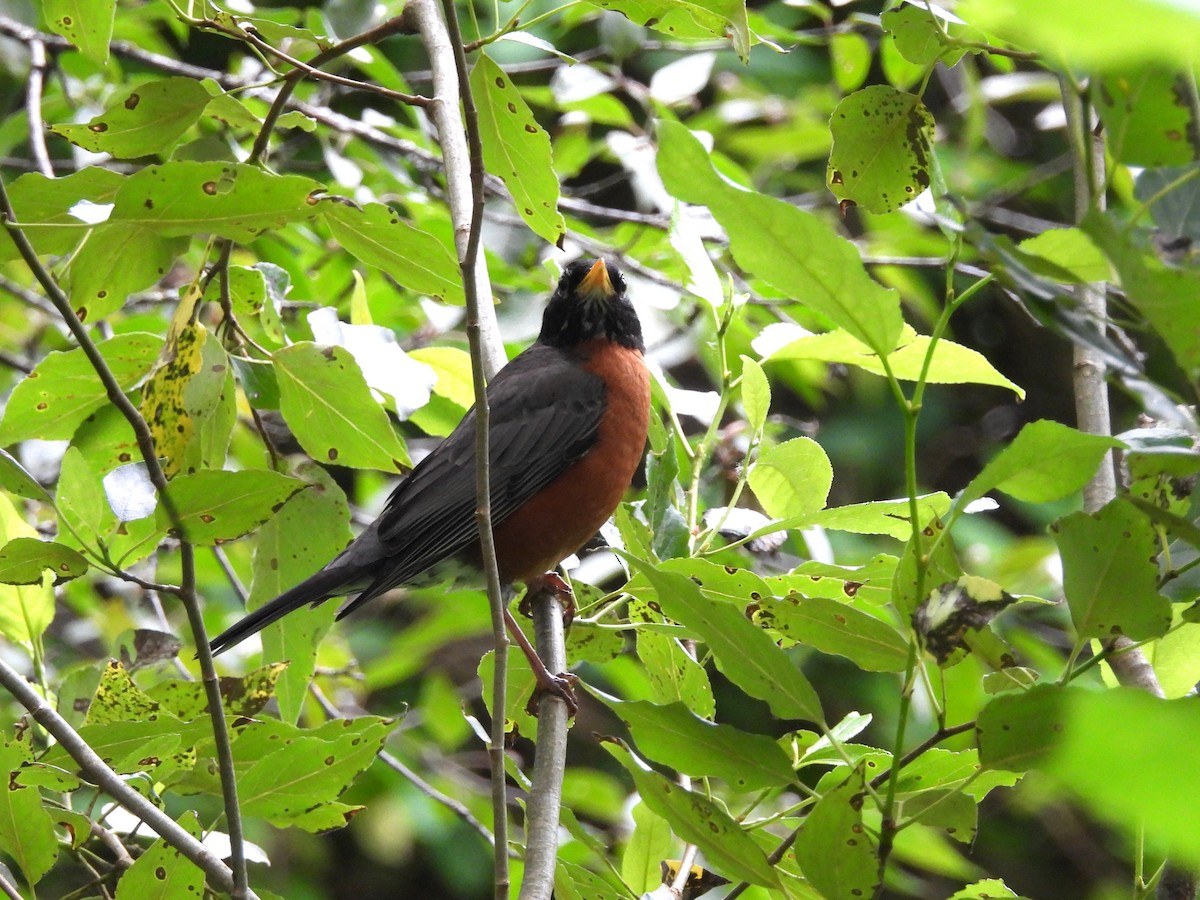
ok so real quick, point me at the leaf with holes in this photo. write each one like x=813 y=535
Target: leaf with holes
x=215 y=506
x=792 y=250
x=146 y=120
x=882 y=141
x=88 y=24
x=231 y=200
x=517 y=148
x=43 y=205
x=1110 y=573
x=64 y=389
x=23 y=560
x=163 y=872
x=834 y=850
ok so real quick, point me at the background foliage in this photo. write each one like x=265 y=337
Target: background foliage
x=865 y=635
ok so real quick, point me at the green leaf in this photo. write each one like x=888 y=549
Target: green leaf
x=43 y=206
x=64 y=389
x=327 y=404
x=88 y=24
x=1109 y=35
x=1146 y=117
x=1119 y=754
x=744 y=652
x=890 y=517
x=376 y=235
x=1046 y=461
x=1164 y=294
x=882 y=141
x=833 y=849
x=951 y=363
x=648 y=845
x=160 y=744
x=24 y=560
x=1068 y=250
x=517 y=148
x=1175 y=211
x=16 y=480
x=163 y=872
x=700 y=821
x=146 y=120
x=25 y=612
x=917 y=37
x=850 y=56
x=215 y=506
x=792 y=478
x=988 y=889
x=834 y=627
x=117 y=259
x=231 y=200
x=756 y=393
x=689 y=18
x=1110 y=573
x=26 y=830
x=311 y=771
x=794 y=251
x=941 y=566
x=1016 y=731
x=674 y=736
x=672 y=673
x=310 y=530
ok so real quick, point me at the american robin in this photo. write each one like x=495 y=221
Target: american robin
x=568 y=427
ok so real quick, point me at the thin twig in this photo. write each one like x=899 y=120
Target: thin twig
x=97 y=772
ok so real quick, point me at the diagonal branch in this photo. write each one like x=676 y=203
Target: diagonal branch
x=97 y=772
x=187 y=593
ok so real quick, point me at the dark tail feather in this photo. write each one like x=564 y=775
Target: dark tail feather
x=317 y=589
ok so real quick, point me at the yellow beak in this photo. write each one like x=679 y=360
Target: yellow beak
x=596 y=281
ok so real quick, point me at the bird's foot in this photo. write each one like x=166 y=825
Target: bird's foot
x=549 y=584
x=561 y=685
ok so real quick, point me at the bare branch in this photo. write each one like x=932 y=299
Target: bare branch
x=96 y=771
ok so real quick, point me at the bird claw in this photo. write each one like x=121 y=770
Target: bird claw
x=550 y=583
x=561 y=686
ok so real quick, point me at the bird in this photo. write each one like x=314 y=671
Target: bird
x=568 y=422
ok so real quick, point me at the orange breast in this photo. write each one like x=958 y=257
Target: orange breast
x=561 y=518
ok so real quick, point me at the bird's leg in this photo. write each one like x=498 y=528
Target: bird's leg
x=561 y=685
x=553 y=583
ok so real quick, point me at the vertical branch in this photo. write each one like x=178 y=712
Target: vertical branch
x=33 y=108
x=187 y=593
x=464 y=186
x=455 y=155
x=1129 y=663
